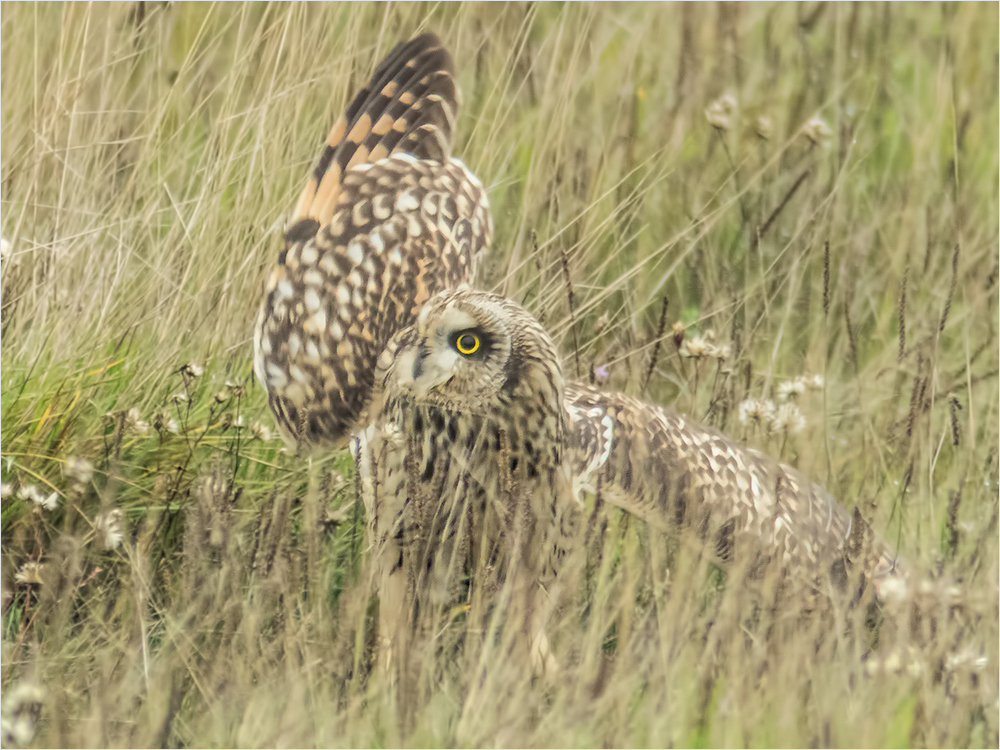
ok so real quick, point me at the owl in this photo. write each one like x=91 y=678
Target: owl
x=478 y=450
x=386 y=220
x=473 y=452
x=464 y=464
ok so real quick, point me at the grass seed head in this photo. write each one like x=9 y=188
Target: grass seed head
x=817 y=131
x=788 y=419
x=720 y=112
x=756 y=411
x=80 y=470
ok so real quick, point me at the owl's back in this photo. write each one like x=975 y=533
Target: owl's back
x=672 y=472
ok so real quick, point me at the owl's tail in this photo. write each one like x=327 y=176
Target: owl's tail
x=408 y=106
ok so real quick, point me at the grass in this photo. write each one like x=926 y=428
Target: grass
x=150 y=153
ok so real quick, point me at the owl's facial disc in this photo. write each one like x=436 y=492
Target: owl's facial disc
x=447 y=345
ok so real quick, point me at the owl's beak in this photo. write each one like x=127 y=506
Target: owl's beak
x=423 y=374
x=420 y=357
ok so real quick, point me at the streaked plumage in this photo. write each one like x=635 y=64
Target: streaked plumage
x=473 y=459
x=471 y=456
x=387 y=219
x=672 y=472
x=463 y=463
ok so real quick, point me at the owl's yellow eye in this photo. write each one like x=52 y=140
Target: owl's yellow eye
x=467 y=343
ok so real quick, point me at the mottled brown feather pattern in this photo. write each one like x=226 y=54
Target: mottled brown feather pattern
x=674 y=473
x=463 y=471
x=386 y=220
x=470 y=464
x=660 y=466
x=410 y=96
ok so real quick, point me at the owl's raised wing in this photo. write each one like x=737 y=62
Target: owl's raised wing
x=673 y=472
x=408 y=106
x=386 y=220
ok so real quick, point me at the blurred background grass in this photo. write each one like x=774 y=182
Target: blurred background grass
x=814 y=185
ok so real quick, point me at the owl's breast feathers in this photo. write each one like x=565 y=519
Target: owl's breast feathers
x=386 y=220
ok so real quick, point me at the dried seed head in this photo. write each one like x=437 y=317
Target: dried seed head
x=260 y=431
x=817 y=131
x=792 y=389
x=80 y=470
x=677 y=331
x=164 y=422
x=19 y=714
x=48 y=501
x=967 y=657
x=788 y=419
x=892 y=589
x=696 y=347
x=237 y=389
x=191 y=369
x=897 y=661
x=602 y=322
x=109 y=528
x=134 y=422
x=756 y=411
x=30 y=574
x=720 y=112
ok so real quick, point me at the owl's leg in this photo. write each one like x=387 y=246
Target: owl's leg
x=543 y=661
x=380 y=487
x=445 y=546
x=534 y=580
x=392 y=620
x=556 y=539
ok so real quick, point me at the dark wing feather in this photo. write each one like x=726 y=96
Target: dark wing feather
x=404 y=230
x=408 y=106
x=386 y=220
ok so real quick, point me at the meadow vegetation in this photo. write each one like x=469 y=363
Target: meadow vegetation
x=808 y=189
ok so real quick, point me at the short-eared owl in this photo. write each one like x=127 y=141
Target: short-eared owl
x=387 y=219
x=472 y=449
x=465 y=460
x=477 y=447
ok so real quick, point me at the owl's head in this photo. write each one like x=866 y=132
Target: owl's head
x=477 y=353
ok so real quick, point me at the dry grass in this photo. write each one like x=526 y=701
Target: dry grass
x=149 y=155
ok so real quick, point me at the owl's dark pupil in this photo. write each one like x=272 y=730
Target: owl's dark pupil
x=467 y=343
